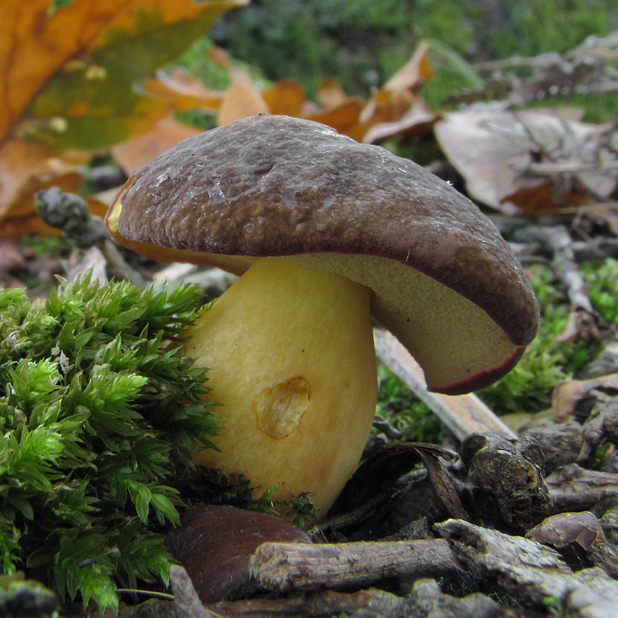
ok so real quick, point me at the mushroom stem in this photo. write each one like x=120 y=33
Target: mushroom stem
x=291 y=358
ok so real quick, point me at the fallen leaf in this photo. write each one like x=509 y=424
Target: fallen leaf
x=285 y=97
x=242 y=99
x=519 y=161
x=412 y=75
x=344 y=118
x=25 y=168
x=418 y=120
x=166 y=133
x=101 y=49
x=391 y=102
x=183 y=89
x=568 y=396
x=330 y=93
x=69 y=80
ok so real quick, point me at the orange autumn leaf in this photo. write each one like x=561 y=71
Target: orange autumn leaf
x=285 y=97
x=184 y=90
x=330 y=93
x=414 y=73
x=69 y=78
x=165 y=134
x=25 y=168
x=242 y=99
x=344 y=117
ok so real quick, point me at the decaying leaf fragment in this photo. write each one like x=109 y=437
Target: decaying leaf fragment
x=513 y=160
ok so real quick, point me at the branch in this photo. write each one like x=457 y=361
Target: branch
x=284 y=567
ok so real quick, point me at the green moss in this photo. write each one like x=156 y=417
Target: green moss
x=97 y=411
x=547 y=361
x=404 y=411
x=527 y=388
x=602 y=279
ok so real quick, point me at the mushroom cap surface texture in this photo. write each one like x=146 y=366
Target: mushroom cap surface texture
x=286 y=187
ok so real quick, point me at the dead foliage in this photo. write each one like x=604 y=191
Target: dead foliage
x=84 y=97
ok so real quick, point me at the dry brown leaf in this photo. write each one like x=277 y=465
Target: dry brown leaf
x=343 y=118
x=285 y=97
x=165 y=134
x=330 y=93
x=412 y=75
x=605 y=212
x=99 y=203
x=221 y=57
x=569 y=394
x=489 y=161
x=394 y=100
x=25 y=168
x=184 y=90
x=497 y=154
x=418 y=120
x=242 y=99
x=387 y=106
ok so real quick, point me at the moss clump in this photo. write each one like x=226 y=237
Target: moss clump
x=97 y=411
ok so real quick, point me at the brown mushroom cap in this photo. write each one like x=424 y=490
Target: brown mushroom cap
x=280 y=186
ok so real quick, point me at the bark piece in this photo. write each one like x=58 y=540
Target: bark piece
x=562 y=443
x=186 y=601
x=284 y=567
x=370 y=603
x=578 y=534
x=425 y=601
x=504 y=485
x=573 y=488
x=529 y=572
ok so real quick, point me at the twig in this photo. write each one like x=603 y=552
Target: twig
x=530 y=572
x=186 y=601
x=462 y=414
x=283 y=567
x=323 y=604
x=558 y=242
x=71 y=214
x=573 y=488
x=547 y=168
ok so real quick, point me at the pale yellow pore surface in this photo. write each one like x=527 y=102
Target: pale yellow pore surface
x=448 y=335
x=291 y=358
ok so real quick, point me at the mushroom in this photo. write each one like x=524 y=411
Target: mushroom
x=326 y=233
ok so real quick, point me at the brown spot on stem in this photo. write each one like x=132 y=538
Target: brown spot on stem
x=279 y=408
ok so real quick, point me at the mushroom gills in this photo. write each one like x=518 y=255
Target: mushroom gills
x=290 y=355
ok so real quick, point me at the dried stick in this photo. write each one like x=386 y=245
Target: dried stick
x=462 y=414
x=186 y=601
x=283 y=567
x=573 y=488
x=559 y=243
x=529 y=572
